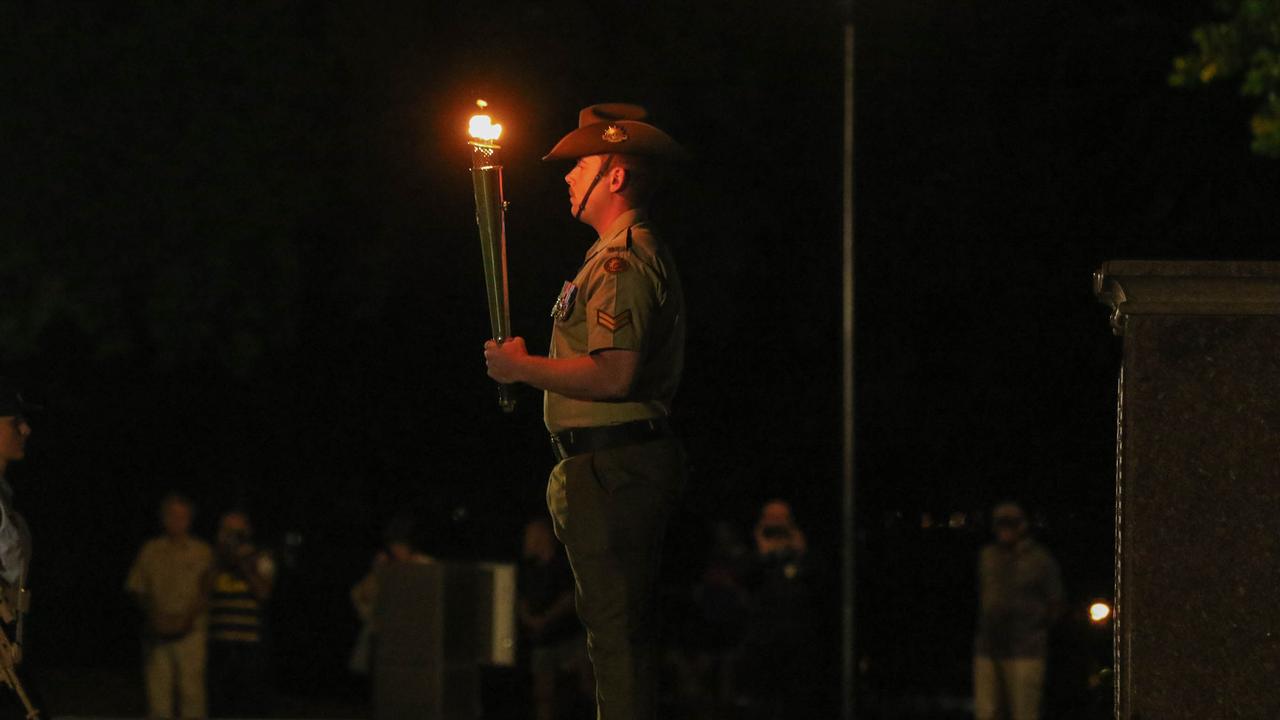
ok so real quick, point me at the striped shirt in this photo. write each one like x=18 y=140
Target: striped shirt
x=235 y=613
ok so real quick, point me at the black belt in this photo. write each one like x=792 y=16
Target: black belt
x=576 y=441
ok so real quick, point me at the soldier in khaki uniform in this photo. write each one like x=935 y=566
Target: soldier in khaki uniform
x=617 y=351
x=15 y=547
x=15 y=537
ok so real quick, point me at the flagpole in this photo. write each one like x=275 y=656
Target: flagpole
x=849 y=655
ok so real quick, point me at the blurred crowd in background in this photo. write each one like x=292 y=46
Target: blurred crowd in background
x=748 y=634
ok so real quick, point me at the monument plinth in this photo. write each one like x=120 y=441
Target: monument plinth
x=1197 y=488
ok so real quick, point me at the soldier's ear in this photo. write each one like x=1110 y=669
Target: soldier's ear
x=619 y=179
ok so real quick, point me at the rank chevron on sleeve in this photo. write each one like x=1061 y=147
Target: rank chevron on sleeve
x=613 y=323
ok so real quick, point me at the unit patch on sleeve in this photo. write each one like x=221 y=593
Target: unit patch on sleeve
x=615 y=265
x=613 y=323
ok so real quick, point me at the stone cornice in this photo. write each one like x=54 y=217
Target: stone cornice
x=1150 y=287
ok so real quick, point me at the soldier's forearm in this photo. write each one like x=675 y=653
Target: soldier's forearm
x=602 y=376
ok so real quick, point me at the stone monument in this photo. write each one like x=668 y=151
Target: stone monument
x=1197 y=631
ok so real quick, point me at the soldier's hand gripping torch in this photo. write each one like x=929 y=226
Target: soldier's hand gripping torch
x=486 y=179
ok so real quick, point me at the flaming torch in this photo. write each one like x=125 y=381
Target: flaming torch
x=486 y=178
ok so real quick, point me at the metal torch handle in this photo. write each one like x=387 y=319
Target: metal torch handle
x=506 y=393
x=491 y=222
x=505 y=400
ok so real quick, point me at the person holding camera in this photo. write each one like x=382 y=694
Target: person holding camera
x=777 y=536
x=242 y=582
x=776 y=668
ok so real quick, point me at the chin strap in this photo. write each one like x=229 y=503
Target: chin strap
x=604 y=167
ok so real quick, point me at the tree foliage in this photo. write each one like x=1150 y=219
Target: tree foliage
x=1245 y=44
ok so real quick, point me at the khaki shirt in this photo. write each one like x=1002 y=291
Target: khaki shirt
x=628 y=298
x=170 y=576
x=15 y=541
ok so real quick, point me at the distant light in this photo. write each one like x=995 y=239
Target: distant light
x=958 y=520
x=1100 y=612
x=482 y=104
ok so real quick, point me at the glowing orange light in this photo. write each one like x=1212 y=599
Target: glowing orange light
x=1099 y=611
x=482 y=127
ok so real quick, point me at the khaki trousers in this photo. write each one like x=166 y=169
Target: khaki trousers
x=1007 y=688
x=610 y=509
x=176 y=665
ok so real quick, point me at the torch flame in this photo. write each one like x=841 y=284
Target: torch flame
x=482 y=128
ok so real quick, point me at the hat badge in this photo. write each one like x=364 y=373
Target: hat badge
x=614 y=134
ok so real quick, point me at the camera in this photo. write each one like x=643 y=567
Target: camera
x=775 y=532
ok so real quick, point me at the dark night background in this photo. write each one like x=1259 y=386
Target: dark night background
x=238 y=258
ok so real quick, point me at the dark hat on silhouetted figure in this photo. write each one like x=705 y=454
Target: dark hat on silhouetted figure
x=615 y=128
x=11 y=401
